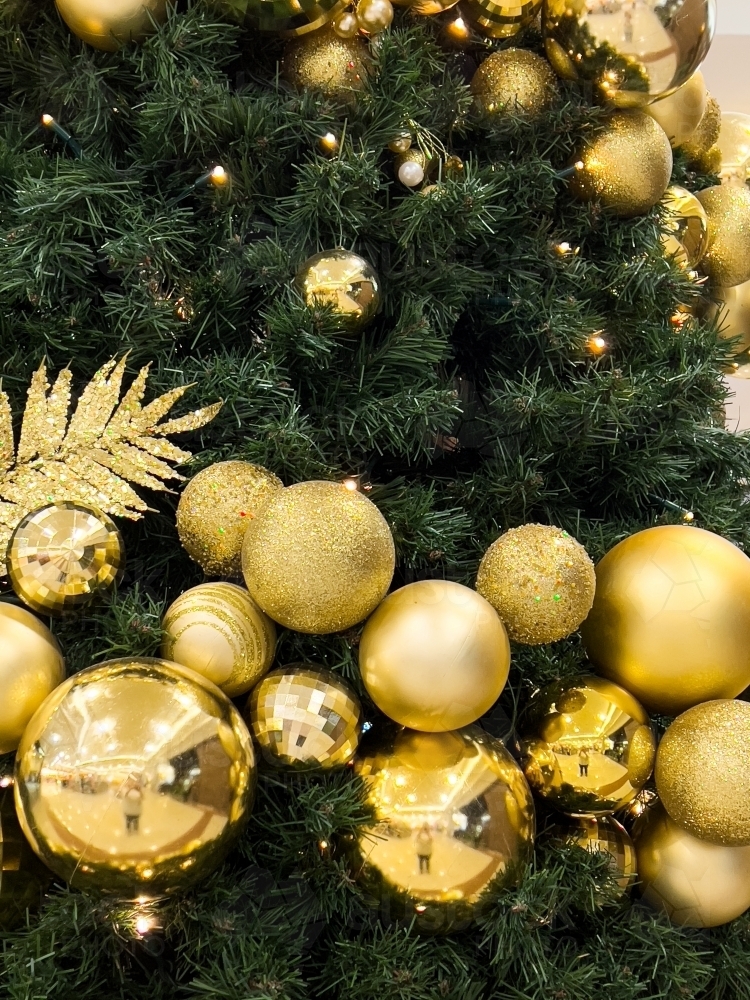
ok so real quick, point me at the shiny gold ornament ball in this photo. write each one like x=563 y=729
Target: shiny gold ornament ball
x=134 y=778
x=109 y=24
x=215 y=509
x=217 y=630
x=343 y=282
x=685 y=238
x=434 y=656
x=374 y=15
x=601 y=835
x=305 y=718
x=31 y=667
x=291 y=17
x=23 y=878
x=698 y=147
x=501 y=18
x=727 y=260
x=671 y=617
x=733 y=304
x=345 y=24
x=626 y=167
x=540 y=581
x=734 y=147
x=680 y=113
x=324 y=61
x=514 y=82
x=426 y=8
x=319 y=557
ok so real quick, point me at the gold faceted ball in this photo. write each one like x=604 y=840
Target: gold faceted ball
x=600 y=835
x=31 y=667
x=217 y=630
x=685 y=236
x=702 y=141
x=501 y=18
x=626 y=167
x=319 y=557
x=733 y=306
x=453 y=816
x=290 y=17
x=23 y=878
x=671 y=617
x=727 y=260
x=215 y=509
x=587 y=746
x=539 y=580
x=681 y=112
x=734 y=147
x=324 y=61
x=109 y=24
x=696 y=884
x=514 y=82
x=305 y=718
x=134 y=778
x=434 y=656
x=343 y=282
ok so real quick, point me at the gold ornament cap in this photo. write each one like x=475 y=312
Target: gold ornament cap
x=343 y=282
x=110 y=24
x=514 y=82
x=727 y=260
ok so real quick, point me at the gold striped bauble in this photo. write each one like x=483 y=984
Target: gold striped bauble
x=501 y=18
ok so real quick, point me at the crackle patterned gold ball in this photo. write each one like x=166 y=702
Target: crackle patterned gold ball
x=324 y=61
x=343 y=282
x=680 y=113
x=23 y=878
x=699 y=146
x=600 y=835
x=501 y=18
x=109 y=24
x=514 y=82
x=540 y=581
x=215 y=509
x=685 y=236
x=727 y=259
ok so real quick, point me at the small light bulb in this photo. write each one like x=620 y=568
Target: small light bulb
x=143 y=925
x=579 y=164
x=323 y=844
x=47 y=120
x=688 y=516
x=219 y=176
x=351 y=485
x=328 y=143
x=597 y=344
x=563 y=248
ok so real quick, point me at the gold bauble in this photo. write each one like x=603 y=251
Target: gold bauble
x=426 y=8
x=680 y=113
x=600 y=835
x=633 y=53
x=23 y=878
x=588 y=747
x=727 y=260
x=694 y=883
x=108 y=24
x=217 y=630
x=733 y=306
x=215 y=509
x=31 y=667
x=434 y=656
x=671 y=617
x=374 y=15
x=514 y=82
x=698 y=147
x=324 y=61
x=734 y=147
x=319 y=557
x=452 y=816
x=291 y=17
x=60 y=557
x=626 y=167
x=134 y=778
x=343 y=282
x=305 y=718
x=685 y=238
x=540 y=581
x=501 y=18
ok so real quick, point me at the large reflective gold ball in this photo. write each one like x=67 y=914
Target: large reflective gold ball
x=680 y=113
x=626 y=167
x=323 y=61
x=217 y=630
x=601 y=835
x=434 y=656
x=343 y=282
x=671 y=617
x=305 y=718
x=734 y=147
x=134 y=778
x=108 y=24
x=291 y=17
x=501 y=18
x=453 y=816
x=696 y=884
x=632 y=52
x=215 y=509
x=31 y=667
x=701 y=145
x=733 y=305
x=727 y=260
x=23 y=878
x=540 y=581
x=319 y=557
x=514 y=82
x=685 y=236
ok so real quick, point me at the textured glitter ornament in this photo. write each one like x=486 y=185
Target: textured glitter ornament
x=733 y=305
x=501 y=18
x=304 y=717
x=135 y=778
x=108 y=24
x=626 y=167
x=703 y=140
x=539 y=580
x=600 y=835
x=514 y=82
x=215 y=509
x=217 y=630
x=23 y=878
x=685 y=238
x=434 y=656
x=727 y=260
x=336 y=67
x=671 y=617
x=344 y=283
x=680 y=113
x=289 y=17
x=319 y=557
x=734 y=147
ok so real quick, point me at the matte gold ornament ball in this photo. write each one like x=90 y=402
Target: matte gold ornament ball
x=727 y=260
x=215 y=509
x=514 y=82
x=217 y=630
x=671 y=617
x=31 y=667
x=343 y=282
x=135 y=778
x=109 y=24
x=601 y=835
x=319 y=557
x=501 y=18
x=734 y=147
x=23 y=878
x=626 y=167
x=680 y=113
x=685 y=238
x=324 y=61
x=452 y=815
x=540 y=581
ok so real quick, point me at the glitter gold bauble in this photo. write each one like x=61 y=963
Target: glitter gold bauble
x=215 y=509
x=452 y=816
x=323 y=61
x=632 y=53
x=319 y=557
x=733 y=306
x=671 y=617
x=304 y=717
x=31 y=667
x=694 y=883
x=501 y=18
x=685 y=238
x=626 y=167
x=587 y=747
x=680 y=113
x=434 y=656
x=539 y=580
x=23 y=878
x=514 y=82
x=734 y=147
x=600 y=835
x=217 y=630
x=343 y=282
x=727 y=260
x=291 y=17
x=698 y=147
x=108 y=24
x=60 y=557
x=134 y=778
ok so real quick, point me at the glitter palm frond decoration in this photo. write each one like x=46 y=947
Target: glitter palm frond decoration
x=107 y=444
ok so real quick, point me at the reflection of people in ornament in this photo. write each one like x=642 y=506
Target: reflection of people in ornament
x=583 y=763
x=424 y=849
x=132 y=804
